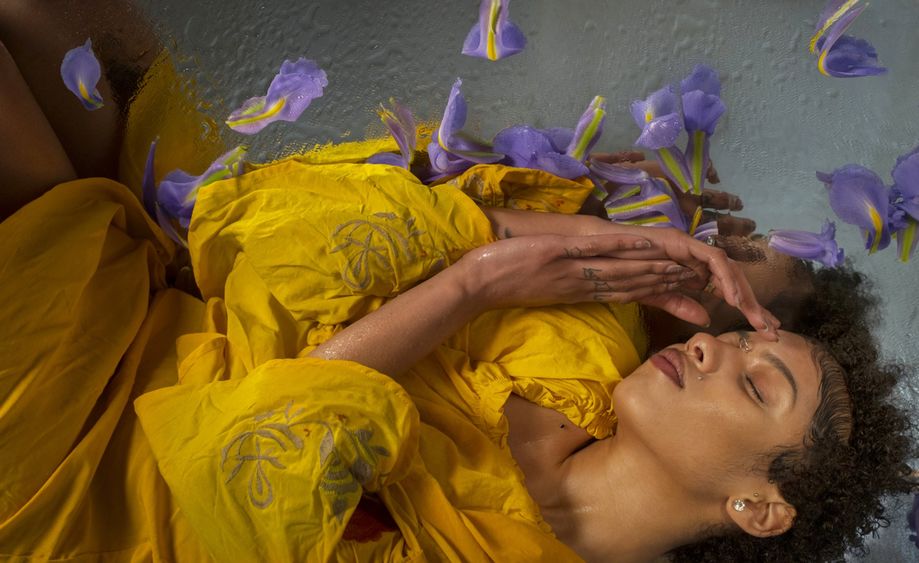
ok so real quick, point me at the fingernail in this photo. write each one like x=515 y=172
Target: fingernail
x=689 y=274
x=735 y=203
x=675 y=269
x=673 y=285
x=643 y=244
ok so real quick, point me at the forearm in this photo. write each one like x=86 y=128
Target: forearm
x=507 y=223
x=402 y=332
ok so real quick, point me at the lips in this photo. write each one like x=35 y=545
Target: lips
x=671 y=364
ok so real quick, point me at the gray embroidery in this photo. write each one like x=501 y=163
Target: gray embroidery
x=373 y=243
x=260 y=449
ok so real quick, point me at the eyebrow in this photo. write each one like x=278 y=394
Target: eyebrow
x=780 y=365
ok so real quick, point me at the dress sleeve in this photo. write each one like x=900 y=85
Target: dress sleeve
x=296 y=250
x=281 y=457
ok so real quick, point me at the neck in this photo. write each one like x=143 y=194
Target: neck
x=614 y=503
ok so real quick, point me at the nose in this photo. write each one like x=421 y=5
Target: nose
x=704 y=350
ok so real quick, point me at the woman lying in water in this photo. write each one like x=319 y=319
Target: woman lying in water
x=308 y=420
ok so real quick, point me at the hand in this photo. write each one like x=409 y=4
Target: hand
x=548 y=269
x=711 y=201
x=724 y=275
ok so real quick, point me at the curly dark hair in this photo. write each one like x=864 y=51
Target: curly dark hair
x=856 y=450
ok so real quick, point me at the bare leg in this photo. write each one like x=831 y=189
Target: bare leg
x=35 y=161
x=39 y=32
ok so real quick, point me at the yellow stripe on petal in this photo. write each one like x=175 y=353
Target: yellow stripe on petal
x=491 y=49
x=821 y=63
x=698 y=154
x=663 y=198
x=878 y=225
x=648 y=221
x=830 y=21
x=907 y=239
x=84 y=93
x=270 y=112
x=671 y=165
x=696 y=219
x=588 y=135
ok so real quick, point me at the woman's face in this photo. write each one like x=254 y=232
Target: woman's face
x=712 y=407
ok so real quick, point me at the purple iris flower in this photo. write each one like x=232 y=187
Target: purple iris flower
x=528 y=147
x=841 y=55
x=904 y=200
x=638 y=199
x=820 y=247
x=452 y=150
x=401 y=125
x=661 y=123
x=859 y=197
x=588 y=130
x=702 y=108
x=81 y=72
x=290 y=93
x=659 y=119
x=494 y=37
x=176 y=194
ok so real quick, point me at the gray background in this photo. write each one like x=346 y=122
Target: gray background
x=784 y=119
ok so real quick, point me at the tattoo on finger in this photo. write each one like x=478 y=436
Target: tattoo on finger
x=602 y=286
x=592 y=273
x=573 y=252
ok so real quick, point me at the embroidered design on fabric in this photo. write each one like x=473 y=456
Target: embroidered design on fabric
x=376 y=245
x=275 y=433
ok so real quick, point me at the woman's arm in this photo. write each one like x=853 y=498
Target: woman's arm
x=526 y=271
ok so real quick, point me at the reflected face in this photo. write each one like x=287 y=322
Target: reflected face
x=753 y=397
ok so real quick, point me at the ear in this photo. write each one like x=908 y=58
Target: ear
x=762 y=518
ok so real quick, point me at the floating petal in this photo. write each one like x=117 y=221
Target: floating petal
x=401 y=125
x=705 y=230
x=618 y=174
x=831 y=14
x=859 y=197
x=494 y=37
x=81 y=72
x=659 y=119
x=906 y=173
x=445 y=163
x=820 y=247
x=178 y=191
x=849 y=58
x=588 y=130
x=560 y=137
x=290 y=93
x=673 y=162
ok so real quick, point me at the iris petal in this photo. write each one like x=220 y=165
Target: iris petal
x=178 y=191
x=588 y=130
x=906 y=240
x=401 y=125
x=820 y=247
x=859 y=197
x=451 y=139
x=494 y=36
x=81 y=72
x=291 y=91
x=654 y=204
x=831 y=14
x=702 y=78
x=528 y=147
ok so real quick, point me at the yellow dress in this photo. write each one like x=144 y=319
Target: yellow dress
x=242 y=448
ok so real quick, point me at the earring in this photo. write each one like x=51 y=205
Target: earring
x=699 y=378
x=739 y=505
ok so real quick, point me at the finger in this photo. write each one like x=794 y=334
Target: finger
x=601 y=245
x=618 y=157
x=679 y=306
x=712 y=175
x=716 y=199
x=602 y=269
x=637 y=284
x=730 y=225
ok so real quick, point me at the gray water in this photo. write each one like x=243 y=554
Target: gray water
x=784 y=119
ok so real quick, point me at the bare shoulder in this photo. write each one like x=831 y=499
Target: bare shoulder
x=540 y=440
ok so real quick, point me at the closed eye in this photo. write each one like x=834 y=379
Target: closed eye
x=753 y=388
